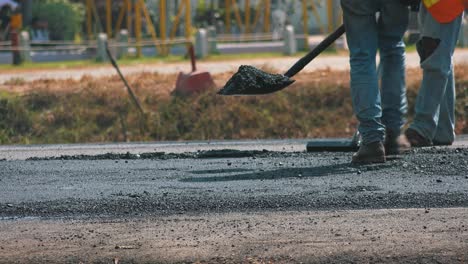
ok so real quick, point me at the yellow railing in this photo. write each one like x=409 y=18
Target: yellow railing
x=263 y=6
x=137 y=8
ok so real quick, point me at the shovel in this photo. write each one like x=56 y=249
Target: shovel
x=195 y=81
x=249 y=80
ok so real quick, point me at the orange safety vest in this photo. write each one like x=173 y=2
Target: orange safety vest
x=16 y=21
x=444 y=11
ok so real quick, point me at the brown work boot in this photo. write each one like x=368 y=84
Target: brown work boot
x=417 y=140
x=395 y=144
x=370 y=153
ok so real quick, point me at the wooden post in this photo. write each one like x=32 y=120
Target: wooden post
x=247 y=16
x=89 y=19
x=267 y=23
x=331 y=19
x=109 y=18
x=228 y=16
x=129 y=16
x=330 y=15
x=305 y=19
x=162 y=26
x=138 y=27
x=188 y=20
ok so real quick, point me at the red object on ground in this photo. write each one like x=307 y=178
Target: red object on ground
x=195 y=81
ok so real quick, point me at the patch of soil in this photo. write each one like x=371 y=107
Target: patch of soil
x=206 y=154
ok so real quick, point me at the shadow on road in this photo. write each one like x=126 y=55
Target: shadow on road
x=336 y=169
x=219 y=171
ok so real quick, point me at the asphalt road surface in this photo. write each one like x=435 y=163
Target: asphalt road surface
x=249 y=201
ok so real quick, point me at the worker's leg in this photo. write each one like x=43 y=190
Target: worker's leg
x=445 y=132
x=361 y=32
x=392 y=24
x=436 y=49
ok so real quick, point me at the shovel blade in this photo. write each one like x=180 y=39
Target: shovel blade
x=249 y=80
x=194 y=82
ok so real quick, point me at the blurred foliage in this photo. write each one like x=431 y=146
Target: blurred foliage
x=15 y=120
x=99 y=110
x=64 y=18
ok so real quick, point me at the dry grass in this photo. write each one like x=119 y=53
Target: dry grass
x=98 y=110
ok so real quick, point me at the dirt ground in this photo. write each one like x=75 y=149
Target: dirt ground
x=377 y=236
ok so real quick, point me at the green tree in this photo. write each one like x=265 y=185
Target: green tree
x=64 y=18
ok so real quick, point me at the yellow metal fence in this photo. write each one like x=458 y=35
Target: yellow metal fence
x=136 y=13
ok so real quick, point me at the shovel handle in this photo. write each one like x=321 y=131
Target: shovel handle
x=192 y=58
x=298 y=66
x=129 y=88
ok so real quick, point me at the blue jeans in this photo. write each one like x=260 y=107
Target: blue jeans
x=435 y=105
x=386 y=109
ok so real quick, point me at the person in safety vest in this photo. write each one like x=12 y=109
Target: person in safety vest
x=8 y=17
x=434 y=121
x=381 y=111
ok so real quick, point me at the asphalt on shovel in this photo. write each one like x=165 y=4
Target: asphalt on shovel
x=249 y=80
x=252 y=81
